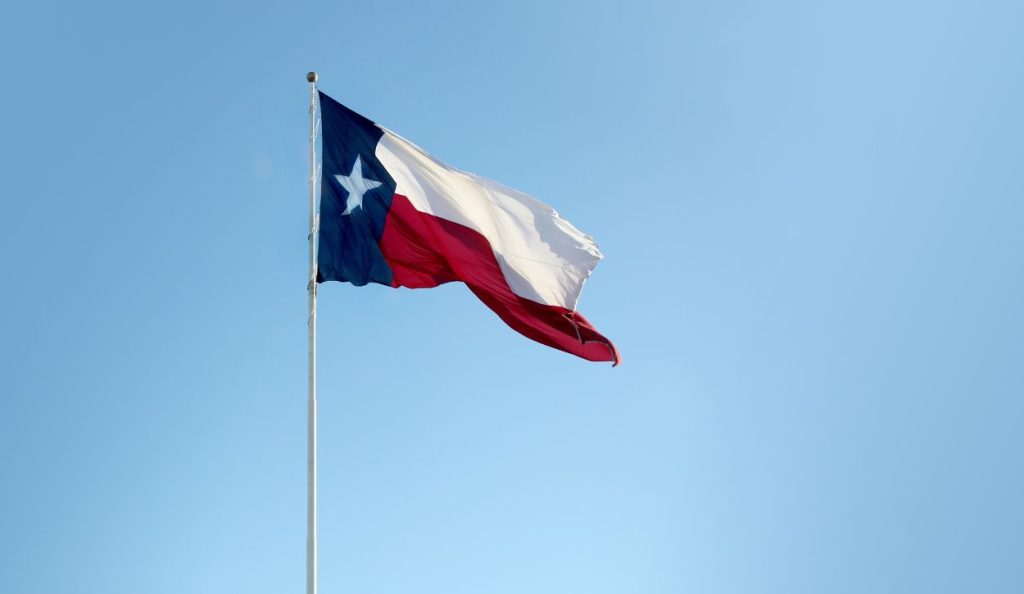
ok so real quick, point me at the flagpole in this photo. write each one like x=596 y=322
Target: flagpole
x=311 y=582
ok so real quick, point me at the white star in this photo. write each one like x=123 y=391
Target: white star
x=356 y=185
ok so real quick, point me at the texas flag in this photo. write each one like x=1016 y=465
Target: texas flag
x=392 y=214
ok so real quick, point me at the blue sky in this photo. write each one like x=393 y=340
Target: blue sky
x=811 y=214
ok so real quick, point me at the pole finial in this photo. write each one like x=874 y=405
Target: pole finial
x=311 y=77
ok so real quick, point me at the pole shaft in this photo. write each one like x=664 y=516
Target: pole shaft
x=311 y=565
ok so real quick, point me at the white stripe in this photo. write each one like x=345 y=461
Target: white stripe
x=543 y=257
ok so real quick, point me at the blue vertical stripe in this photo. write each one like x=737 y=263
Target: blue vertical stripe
x=348 y=248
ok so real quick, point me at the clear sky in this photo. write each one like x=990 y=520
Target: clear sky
x=812 y=219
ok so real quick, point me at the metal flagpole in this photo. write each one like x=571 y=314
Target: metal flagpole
x=311 y=427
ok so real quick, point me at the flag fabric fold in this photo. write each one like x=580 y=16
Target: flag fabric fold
x=392 y=214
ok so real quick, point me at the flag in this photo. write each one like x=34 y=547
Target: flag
x=392 y=214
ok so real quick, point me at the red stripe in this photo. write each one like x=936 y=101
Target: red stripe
x=425 y=251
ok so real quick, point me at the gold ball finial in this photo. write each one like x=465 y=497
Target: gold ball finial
x=311 y=77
